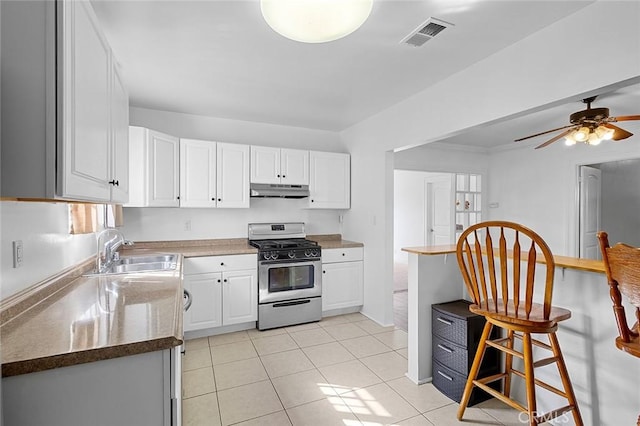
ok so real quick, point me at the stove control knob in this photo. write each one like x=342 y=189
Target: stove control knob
x=274 y=255
x=265 y=255
x=307 y=253
x=314 y=253
x=291 y=254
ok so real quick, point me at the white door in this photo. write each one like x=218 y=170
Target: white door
x=120 y=140
x=439 y=212
x=265 y=164
x=329 y=180
x=232 y=175
x=239 y=297
x=164 y=166
x=206 y=301
x=86 y=102
x=341 y=285
x=590 y=211
x=294 y=166
x=197 y=173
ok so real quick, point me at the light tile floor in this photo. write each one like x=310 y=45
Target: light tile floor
x=345 y=370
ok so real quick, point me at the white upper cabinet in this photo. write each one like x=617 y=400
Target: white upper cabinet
x=213 y=174
x=232 y=174
x=154 y=169
x=65 y=109
x=119 y=141
x=197 y=173
x=279 y=166
x=329 y=180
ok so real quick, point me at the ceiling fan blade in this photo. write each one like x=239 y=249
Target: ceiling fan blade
x=555 y=138
x=626 y=118
x=544 y=133
x=619 y=133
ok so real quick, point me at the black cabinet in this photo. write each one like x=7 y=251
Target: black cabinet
x=454 y=340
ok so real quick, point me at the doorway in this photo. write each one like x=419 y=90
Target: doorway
x=609 y=200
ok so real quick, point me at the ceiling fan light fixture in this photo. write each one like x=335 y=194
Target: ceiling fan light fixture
x=594 y=139
x=582 y=134
x=569 y=140
x=315 y=21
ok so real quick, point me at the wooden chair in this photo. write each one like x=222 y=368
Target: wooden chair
x=622 y=265
x=498 y=263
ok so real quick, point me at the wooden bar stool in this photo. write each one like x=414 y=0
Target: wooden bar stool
x=622 y=265
x=498 y=263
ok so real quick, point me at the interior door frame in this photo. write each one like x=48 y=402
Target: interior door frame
x=428 y=183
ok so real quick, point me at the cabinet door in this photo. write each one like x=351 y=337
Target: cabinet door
x=265 y=164
x=233 y=175
x=206 y=305
x=197 y=173
x=119 y=140
x=342 y=285
x=86 y=74
x=294 y=166
x=163 y=152
x=240 y=297
x=329 y=180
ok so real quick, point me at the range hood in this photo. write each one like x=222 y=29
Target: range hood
x=266 y=190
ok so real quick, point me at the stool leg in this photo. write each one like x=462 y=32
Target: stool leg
x=564 y=375
x=508 y=364
x=475 y=367
x=530 y=384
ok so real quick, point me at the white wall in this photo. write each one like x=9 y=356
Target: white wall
x=235 y=131
x=525 y=76
x=48 y=246
x=158 y=224
x=621 y=200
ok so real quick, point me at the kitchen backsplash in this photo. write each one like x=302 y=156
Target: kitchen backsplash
x=157 y=224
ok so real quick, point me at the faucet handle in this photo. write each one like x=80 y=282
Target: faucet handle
x=128 y=243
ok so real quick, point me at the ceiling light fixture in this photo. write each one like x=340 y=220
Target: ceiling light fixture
x=590 y=135
x=315 y=21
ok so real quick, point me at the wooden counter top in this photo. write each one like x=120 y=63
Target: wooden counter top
x=560 y=261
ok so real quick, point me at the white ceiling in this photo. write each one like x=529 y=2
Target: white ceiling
x=219 y=58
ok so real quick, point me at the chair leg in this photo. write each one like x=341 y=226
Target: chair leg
x=566 y=382
x=508 y=365
x=530 y=384
x=475 y=367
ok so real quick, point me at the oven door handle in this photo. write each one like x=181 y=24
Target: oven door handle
x=286 y=262
x=291 y=303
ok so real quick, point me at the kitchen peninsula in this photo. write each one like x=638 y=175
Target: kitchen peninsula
x=601 y=374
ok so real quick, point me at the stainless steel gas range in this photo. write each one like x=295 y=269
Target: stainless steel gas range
x=289 y=275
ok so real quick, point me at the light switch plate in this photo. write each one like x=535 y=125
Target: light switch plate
x=17 y=253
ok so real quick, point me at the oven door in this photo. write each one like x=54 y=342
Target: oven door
x=286 y=280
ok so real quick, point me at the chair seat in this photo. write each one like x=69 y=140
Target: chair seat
x=632 y=347
x=536 y=317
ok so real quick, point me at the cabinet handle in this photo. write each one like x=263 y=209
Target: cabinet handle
x=444 y=321
x=178 y=197
x=284 y=176
x=218 y=280
x=114 y=182
x=221 y=263
x=312 y=201
x=213 y=199
x=343 y=254
x=225 y=280
x=278 y=176
x=324 y=272
x=449 y=378
x=444 y=348
x=219 y=199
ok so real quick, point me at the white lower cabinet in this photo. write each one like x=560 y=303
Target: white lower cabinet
x=342 y=278
x=224 y=291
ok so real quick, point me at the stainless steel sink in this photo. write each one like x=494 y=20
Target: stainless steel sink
x=137 y=263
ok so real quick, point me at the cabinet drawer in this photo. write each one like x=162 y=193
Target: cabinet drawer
x=236 y=262
x=449 y=327
x=453 y=356
x=351 y=254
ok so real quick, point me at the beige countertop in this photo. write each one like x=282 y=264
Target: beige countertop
x=568 y=262
x=72 y=319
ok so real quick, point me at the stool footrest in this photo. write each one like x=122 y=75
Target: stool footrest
x=535 y=342
x=498 y=345
x=499 y=395
x=545 y=361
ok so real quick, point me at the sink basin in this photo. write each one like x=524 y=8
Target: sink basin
x=137 y=264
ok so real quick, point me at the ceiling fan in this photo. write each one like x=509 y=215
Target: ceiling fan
x=590 y=126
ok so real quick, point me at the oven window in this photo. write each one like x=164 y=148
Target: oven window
x=291 y=278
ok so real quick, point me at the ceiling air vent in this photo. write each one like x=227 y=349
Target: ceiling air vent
x=425 y=32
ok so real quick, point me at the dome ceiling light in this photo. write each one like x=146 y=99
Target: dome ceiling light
x=315 y=21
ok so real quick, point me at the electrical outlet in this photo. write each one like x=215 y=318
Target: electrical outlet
x=18 y=253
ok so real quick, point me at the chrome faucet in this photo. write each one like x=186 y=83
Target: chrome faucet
x=109 y=241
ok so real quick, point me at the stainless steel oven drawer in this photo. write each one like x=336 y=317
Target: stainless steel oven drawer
x=290 y=312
